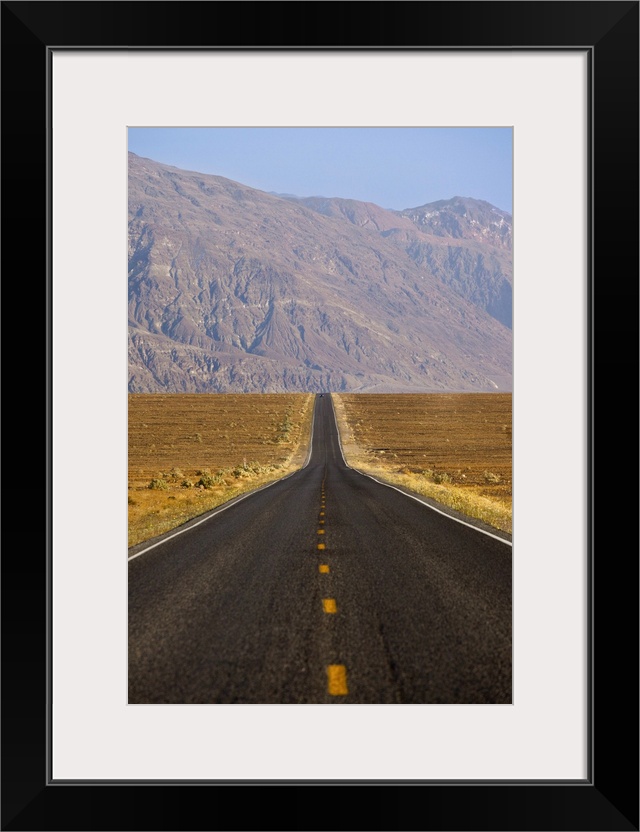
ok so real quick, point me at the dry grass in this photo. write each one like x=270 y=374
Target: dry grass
x=188 y=453
x=455 y=448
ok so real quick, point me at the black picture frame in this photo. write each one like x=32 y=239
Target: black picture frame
x=608 y=798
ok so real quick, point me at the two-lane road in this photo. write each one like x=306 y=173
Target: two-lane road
x=326 y=587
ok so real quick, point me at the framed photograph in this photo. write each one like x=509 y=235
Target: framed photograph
x=564 y=78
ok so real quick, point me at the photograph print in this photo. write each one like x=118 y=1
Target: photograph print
x=320 y=383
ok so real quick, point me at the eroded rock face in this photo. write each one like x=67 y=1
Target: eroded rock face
x=463 y=218
x=235 y=290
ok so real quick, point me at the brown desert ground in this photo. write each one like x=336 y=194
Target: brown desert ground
x=455 y=448
x=189 y=453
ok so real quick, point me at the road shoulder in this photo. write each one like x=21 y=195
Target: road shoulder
x=358 y=459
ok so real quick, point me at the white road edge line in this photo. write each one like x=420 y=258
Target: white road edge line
x=234 y=500
x=411 y=496
x=313 y=422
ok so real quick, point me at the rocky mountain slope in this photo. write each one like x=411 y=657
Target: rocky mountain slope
x=235 y=290
x=466 y=243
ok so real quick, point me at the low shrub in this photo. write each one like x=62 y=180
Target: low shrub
x=208 y=480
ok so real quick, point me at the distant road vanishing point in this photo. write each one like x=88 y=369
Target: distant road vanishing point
x=325 y=587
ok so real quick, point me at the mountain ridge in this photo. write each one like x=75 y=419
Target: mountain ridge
x=235 y=289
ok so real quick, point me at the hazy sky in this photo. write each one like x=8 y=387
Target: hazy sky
x=395 y=167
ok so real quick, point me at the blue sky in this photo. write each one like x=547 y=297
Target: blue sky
x=395 y=167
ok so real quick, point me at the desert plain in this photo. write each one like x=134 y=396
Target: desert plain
x=189 y=453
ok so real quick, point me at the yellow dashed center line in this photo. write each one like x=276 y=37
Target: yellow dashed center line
x=337 y=680
x=336 y=673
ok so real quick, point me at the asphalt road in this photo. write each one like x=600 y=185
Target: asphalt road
x=326 y=587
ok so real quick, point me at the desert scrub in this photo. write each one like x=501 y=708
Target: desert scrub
x=454 y=448
x=285 y=429
x=492 y=510
x=158 y=484
x=209 y=480
x=183 y=439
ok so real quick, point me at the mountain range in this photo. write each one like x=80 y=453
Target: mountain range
x=232 y=289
